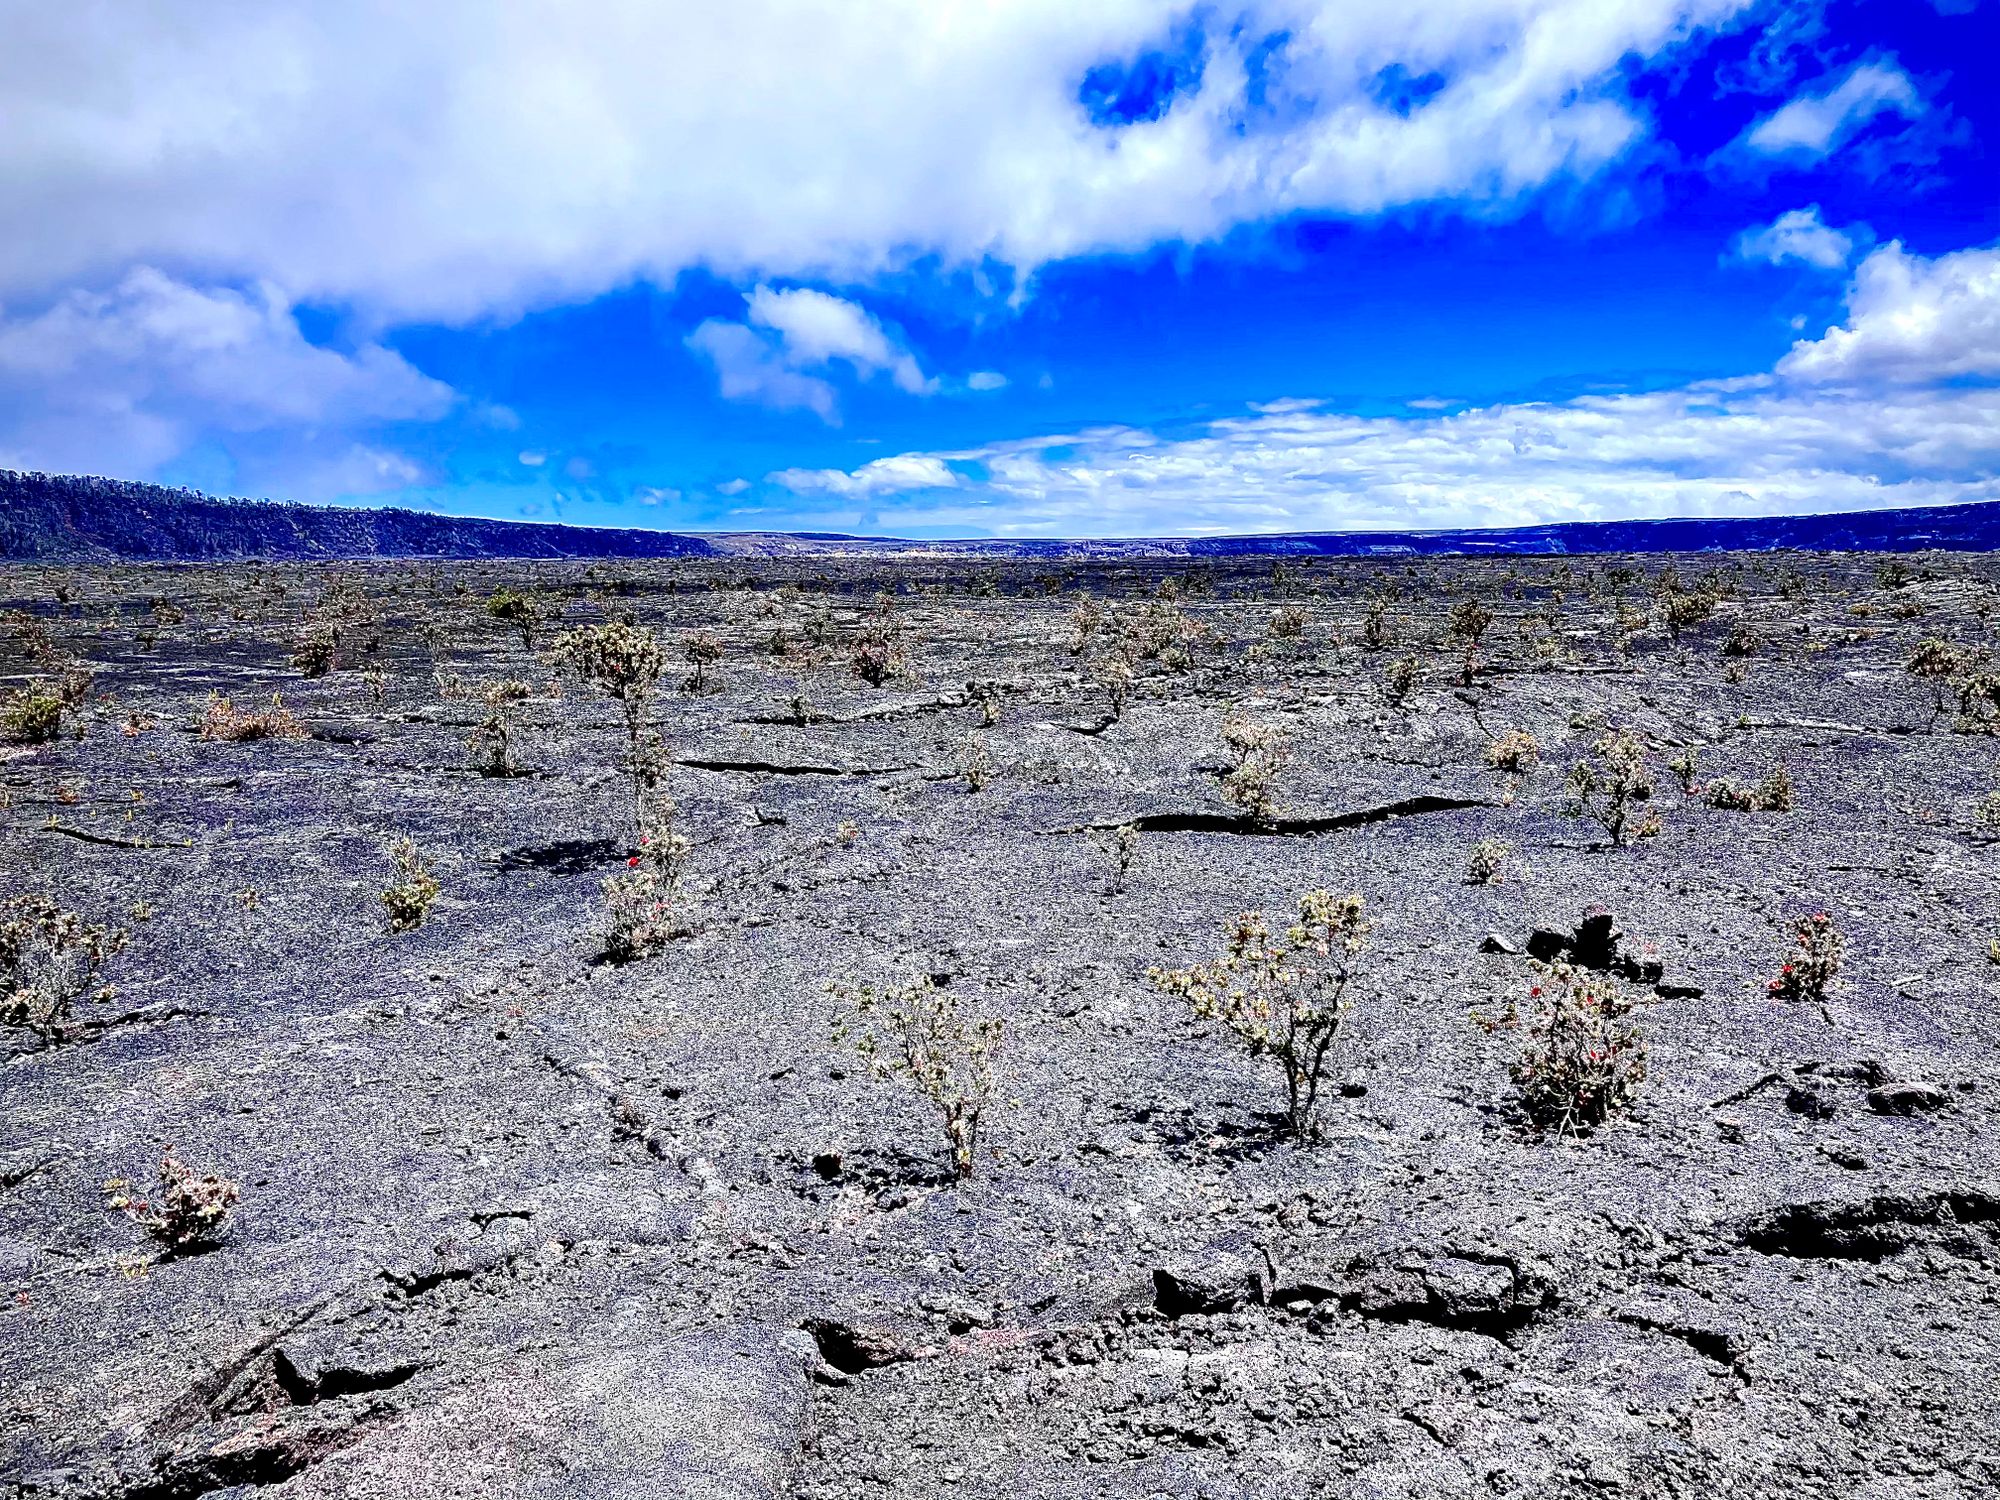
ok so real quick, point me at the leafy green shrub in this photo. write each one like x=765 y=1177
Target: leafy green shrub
x=1772 y=794
x=916 y=1032
x=512 y=607
x=643 y=902
x=31 y=715
x=1283 y=1000
x=701 y=652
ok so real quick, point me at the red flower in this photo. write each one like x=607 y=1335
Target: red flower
x=632 y=863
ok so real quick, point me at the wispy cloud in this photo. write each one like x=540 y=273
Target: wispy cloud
x=1815 y=124
x=1800 y=235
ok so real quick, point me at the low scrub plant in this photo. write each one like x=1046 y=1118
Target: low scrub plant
x=1283 y=998
x=31 y=715
x=223 y=720
x=1516 y=752
x=642 y=902
x=1488 y=859
x=408 y=901
x=512 y=607
x=49 y=959
x=624 y=661
x=1399 y=678
x=190 y=1212
x=1467 y=624
x=1582 y=1059
x=701 y=651
x=917 y=1033
x=492 y=739
x=1817 y=950
x=1121 y=847
x=1772 y=794
x=1258 y=753
x=1613 y=788
x=975 y=763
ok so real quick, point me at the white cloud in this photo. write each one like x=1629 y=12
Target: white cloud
x=1911 y=318
x=985 y=380
x=732 y=486
x=817 y=328
x=907 y=471
x=1799 y=235
x=533 y=458
x=797 y=330
x=648 y=494
x=1875 y=414
x=1815 y=124
x=452 y=160
x=125 y=380
x=750 y=366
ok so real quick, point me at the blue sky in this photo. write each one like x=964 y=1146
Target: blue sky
x=939 y=269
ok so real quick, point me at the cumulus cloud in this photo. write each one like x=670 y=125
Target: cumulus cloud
x=124 y=380
x=1800 y=235
x=797 y=330
x=448 y=160
x=1910 y=318
x=1887 y=410
x=985 y=380
x=1814 y=125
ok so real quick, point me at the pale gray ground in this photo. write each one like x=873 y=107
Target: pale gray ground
x=518 y=1222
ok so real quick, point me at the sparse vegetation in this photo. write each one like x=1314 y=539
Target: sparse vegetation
x=1612 y=789
x=1582 y=1059
x=1258 y=753
x=1818 y=948
x=223 y=720
x=1286 y=1000
x=409 y=899
x=1488 y=858
x=191 y=1211
x=49 y=959
x=916 y=1032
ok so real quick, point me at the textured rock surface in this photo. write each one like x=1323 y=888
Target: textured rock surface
x=517 y=1220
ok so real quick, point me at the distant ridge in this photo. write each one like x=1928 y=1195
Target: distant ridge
x=61 y=518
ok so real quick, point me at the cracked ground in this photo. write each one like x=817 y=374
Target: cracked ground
x=519 y=1221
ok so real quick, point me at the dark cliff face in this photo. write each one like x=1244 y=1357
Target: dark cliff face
x=54 y=517
x=77 y=518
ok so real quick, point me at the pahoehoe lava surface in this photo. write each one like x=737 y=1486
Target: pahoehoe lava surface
x=516 y=1220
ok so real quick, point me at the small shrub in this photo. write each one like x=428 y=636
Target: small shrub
x=1939 y=663
x=1121 y=846
x=1288 y=624
x=1814 y=960
x=492 y=739
x=1611 y=790
x=701 y=652
x=49 y=959
x=1467 y=623
x=1258 y=753
x=1283 y=1000
x=1488 y=858
x=1375 y=624
x=1742 y=640
x=643 y=902
x=1516 y=752
x=1399 y=678
x=1772 y=794
x=1685 y=767
x=409 y=900
x=223 y=720
x=1582 y=1060
x=1115 y=674
x=191 y=1212
x=316 y=650
x=985 y=696
x=915 y=1032
x=624 y=661
x=512 y=607
x=1084 y=619
x=31 y=715
x=975 y=764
